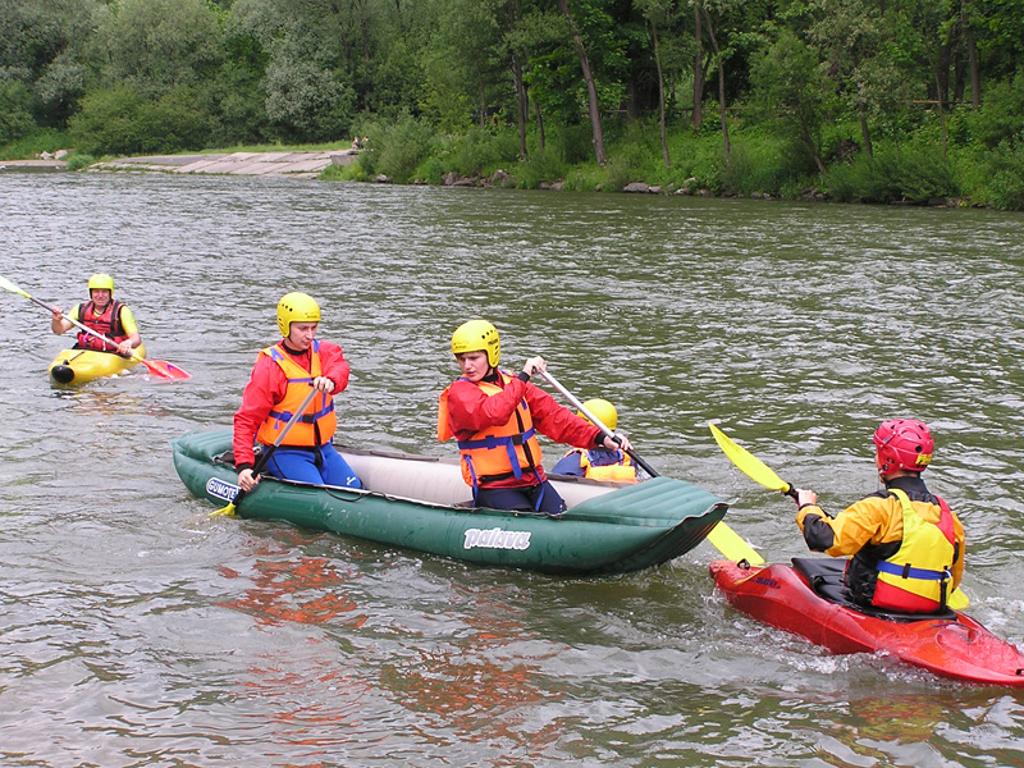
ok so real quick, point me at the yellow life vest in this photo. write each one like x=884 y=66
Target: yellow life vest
x=494 y=453
x=317 y=424
x=622 y=471
x=916 y=578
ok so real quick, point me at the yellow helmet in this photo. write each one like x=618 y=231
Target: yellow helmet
x=101 y=281
x=477 y=335
x=603 y=410
x=296 y=307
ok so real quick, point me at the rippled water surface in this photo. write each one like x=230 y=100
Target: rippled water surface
x=136 y=630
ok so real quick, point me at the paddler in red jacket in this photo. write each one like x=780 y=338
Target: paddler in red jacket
x=907 y=545
x=277 y=387
x=495 y=416
x=105 y=316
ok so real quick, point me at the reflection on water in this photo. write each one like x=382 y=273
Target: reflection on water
x=279 y=589
x=478 y=684
x=137 y=630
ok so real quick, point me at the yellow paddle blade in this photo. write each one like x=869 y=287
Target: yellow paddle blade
x=7 y=285
x=228 y=511
x=958 y=601
x=733 y=546
x=747 y=463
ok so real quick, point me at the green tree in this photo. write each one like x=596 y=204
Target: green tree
x=15 y=117
x=855 y=40
x=327 y=60
x=41 y=46
x=464 y=76
x=156 y=45
x=594 y=34
x=790 y=90
x=660 y=14
x=535 y=42
x=305 y=98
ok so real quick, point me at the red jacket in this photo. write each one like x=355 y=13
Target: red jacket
x=471 y=410
x=266 y=388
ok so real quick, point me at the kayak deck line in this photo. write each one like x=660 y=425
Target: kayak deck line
x=422 y=503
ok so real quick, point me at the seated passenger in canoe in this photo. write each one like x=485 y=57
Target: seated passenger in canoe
x=598 y=463
x=907 y=545
x=104 y=315
x=278 y=387
x=495 y=416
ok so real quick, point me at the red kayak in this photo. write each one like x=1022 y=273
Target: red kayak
x=951 y=644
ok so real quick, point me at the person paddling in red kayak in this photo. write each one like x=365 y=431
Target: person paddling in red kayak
x=495 y=417
x=105 y=316
x=907 y=545
x=278 y=387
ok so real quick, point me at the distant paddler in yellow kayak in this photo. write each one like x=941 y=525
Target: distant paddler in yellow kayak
x=104 y=315
x=92 y=356
x=84 y=364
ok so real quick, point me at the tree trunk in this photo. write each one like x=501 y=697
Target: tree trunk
x=940 y=86
x=698 y=71
x=813 y=148
x=972 y=54
x=958 y=79
x=865 y=132
x=632 y=99
x=540 y=126
x=726 y=145
x=666 y=158
x=588 y=77
x=942 y=72
x=522 y=105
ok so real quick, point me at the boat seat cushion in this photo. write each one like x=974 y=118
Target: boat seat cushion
x=439 y=480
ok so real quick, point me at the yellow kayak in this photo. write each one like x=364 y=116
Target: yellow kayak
x=78 y=366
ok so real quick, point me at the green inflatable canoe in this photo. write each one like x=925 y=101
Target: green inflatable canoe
x=422 y=503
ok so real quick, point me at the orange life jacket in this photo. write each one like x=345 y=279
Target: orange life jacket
x=317 y=424
x=916 y=578
x=621 y=471
x=107 y=322
x=495 y=453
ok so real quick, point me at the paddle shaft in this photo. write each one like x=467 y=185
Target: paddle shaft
x=721 y=536
x=264 y=458
x=84 y=327
x=12 y=287
x=595 y=421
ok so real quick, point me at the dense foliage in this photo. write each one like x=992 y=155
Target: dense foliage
x=873 y=100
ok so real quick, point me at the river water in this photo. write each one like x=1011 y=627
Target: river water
x=136 y=630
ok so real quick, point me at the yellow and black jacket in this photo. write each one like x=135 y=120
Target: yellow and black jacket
x=906 y=546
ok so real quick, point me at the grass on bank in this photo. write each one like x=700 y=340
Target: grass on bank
x=30 y=146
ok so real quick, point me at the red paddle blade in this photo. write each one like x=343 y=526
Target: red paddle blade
x=166 y=370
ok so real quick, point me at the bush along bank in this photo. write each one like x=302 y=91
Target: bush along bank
x=919 y=168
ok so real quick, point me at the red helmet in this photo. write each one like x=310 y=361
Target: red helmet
x=905 y=444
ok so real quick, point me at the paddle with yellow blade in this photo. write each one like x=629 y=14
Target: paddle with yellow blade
x=750 y=465
x=722 y=537
x=761 y=474
x=160 y=368
x=261 y=462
